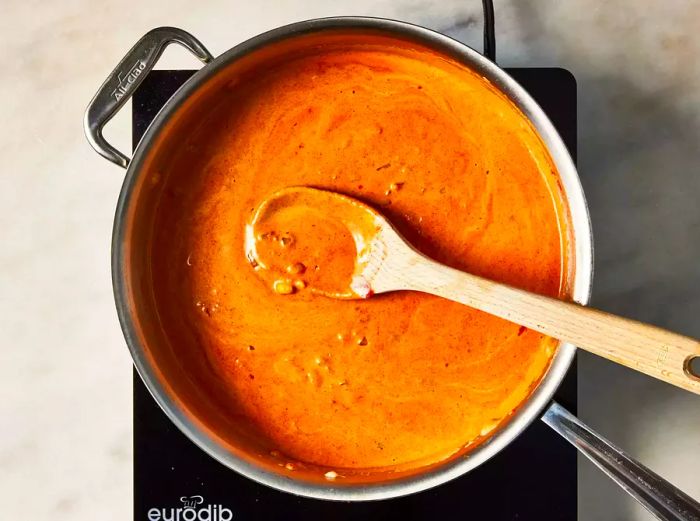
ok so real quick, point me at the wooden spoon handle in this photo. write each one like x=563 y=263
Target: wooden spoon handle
x=649 y=349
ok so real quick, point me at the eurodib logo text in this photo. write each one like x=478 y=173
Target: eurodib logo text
x=192 y=509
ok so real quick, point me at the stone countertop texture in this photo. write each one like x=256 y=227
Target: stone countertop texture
x=65 y=373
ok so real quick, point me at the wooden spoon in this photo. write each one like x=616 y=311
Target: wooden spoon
x=386 y=262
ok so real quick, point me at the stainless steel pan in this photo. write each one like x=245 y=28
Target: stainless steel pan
x=135 y=306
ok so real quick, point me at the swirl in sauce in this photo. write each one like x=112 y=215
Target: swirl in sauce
x=398 y=378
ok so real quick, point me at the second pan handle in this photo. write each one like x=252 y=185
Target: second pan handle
x=125 y=79
x=657 y=495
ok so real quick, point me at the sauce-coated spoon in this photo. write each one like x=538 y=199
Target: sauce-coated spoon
x=383 y=261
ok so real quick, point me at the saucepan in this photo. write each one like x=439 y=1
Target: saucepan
x=166 y=378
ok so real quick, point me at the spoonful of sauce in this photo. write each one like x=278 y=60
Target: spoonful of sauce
x=306 y=239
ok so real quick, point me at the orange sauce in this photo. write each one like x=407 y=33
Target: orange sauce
x=399 y=379
x=297 y=243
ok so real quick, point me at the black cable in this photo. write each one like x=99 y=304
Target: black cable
x=489 y=31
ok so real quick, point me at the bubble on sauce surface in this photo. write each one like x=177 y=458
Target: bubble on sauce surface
x=283 y=287
x=296 y=269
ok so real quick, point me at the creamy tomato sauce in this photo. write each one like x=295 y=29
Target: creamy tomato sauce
x=298 y=242
x=399 y=379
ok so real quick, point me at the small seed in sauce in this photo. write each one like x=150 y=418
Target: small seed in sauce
x=299 y=284
x=331 y=475
x=289 y=466
x=286 y=240
x=394 y=187
x=283 y=287
x=296 y=269
x=340 y=337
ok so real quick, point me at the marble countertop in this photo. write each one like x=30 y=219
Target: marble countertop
x=65 y=412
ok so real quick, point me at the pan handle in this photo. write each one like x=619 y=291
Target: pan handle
x=125 y=79
x=656 y=494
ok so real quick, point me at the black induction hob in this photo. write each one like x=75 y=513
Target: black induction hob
x=534 y=478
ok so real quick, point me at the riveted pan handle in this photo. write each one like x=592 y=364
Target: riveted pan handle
x=125 y=79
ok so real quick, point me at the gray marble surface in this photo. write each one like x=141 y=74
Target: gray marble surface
x=65 y=426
